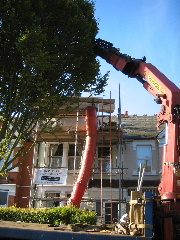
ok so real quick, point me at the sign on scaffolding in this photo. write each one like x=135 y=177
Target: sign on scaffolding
x=50 y=176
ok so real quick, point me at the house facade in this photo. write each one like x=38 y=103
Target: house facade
x=47 y=177
x=142 y=145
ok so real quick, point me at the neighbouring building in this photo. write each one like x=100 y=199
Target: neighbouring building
x=47 y=177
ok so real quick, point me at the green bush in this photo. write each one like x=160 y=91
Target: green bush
x=58 y=215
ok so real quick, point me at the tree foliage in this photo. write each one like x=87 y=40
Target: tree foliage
x=47 y=59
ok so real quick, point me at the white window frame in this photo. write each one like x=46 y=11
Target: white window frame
x=71 y=159
x=146 y=161
x=136 y=144
x=53 y=160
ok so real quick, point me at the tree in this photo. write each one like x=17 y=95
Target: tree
x=47 y=59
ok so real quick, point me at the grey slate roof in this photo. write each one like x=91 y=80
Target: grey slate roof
x=139 y=127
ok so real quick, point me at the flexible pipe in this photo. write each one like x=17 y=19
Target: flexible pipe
x=88 y=157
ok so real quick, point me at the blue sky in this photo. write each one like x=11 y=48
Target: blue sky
x=139 y=28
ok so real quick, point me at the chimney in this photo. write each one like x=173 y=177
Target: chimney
x=126 y=113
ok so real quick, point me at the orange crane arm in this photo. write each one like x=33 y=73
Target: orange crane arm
x=168 y=95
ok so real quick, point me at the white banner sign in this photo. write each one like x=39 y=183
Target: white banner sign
x=50 y=176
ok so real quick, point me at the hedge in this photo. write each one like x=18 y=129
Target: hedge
x=57 y=215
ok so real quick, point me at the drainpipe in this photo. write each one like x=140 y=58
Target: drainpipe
x=88 y=157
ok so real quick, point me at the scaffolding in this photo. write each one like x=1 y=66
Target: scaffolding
x=106 y=137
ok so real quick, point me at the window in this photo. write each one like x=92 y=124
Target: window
x=55 y=155
x=68 y=195
x=72 y=159
x=104 y=159
x=144 y=157
x=3 y=198
x=52 y=199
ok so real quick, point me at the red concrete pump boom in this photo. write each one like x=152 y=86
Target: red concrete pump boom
x=167 y=94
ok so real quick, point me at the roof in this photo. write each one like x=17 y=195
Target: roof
x=139 y=127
